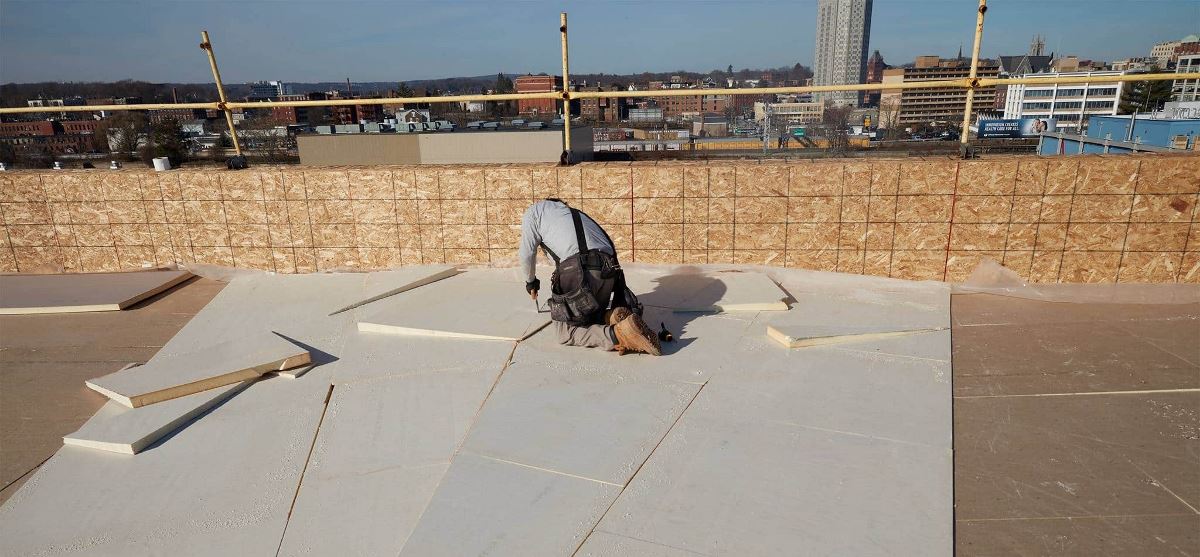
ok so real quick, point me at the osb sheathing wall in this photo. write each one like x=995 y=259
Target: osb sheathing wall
x=1065 y=219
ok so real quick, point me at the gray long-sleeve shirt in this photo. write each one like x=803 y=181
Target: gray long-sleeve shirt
x=550 y=223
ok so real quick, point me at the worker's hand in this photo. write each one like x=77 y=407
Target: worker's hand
x=532 y=288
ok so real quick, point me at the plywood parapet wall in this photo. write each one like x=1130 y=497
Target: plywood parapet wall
x=1127 y=218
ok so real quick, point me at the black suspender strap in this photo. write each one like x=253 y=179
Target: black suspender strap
x=552 y=255
x=579 y=237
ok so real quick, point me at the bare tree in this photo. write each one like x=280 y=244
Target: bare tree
x=835 y=120
x=889 y=114
x=125 y=132
x=268 y=138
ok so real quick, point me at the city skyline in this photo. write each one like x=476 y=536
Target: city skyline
x=73 y=41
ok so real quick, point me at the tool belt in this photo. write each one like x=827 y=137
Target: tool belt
x=593 y=276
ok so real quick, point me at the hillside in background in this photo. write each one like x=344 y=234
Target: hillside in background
x=16 y=94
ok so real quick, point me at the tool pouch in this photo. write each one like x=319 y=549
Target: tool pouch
x=575 y=307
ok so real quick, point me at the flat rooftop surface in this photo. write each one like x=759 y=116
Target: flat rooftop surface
x=1076 y=427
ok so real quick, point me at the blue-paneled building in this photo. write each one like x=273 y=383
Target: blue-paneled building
x=1112 y=134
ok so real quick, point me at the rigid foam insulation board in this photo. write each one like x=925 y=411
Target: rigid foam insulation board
x=728 y=481
x=381 y=284
x=484 y=304
x=295 y=306
x=74 y=293
x=380 y=454
x=170 y=376
x=119 y=429
x=292 y=373
x=871 y=310
x=596 y=425
x=490 y=507
x=367 y=356
x=605 y=544
x=712 y=291
x=221 y=486
x=872 y=318
x=800 y=336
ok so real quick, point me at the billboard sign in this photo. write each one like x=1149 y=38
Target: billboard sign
x=1023 y=127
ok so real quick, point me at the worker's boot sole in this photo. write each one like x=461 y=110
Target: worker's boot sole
x=634 y=335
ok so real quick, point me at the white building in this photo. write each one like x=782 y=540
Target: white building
x=1070 y=103
x=1187 y=89
x=1134 y=64
x=269 y=89
x=791 y=112
x=1163 y=52
x=843 y=35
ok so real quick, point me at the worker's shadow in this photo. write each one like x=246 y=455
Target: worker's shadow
x=678 y=299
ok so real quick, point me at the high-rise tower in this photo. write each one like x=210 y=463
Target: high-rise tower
x=843 y=34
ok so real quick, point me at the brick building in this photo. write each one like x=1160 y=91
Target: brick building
x=936 y=104
x=602 y=110
x=875 y=67
x=177 y=114
x=79 y=126
x=688 y=105
x=537 y=84
x=48 y=136
x=39 y=128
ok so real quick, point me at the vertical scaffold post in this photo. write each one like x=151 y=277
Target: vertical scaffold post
x=566 y=92
x=212 y=61
x=973 y=79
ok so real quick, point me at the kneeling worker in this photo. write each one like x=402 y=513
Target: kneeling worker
x=586 y=282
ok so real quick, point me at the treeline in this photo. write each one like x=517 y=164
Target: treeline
x=16 y=94
x=796 y=72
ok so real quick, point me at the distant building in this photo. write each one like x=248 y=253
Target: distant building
x=537 y=84
x=1187 y=89
x=42 y=103
x=85 y=127
x=603 y=109
x=843 y=34
x=1065 y=64
x=692 y=105
x=47 y=136
x=1033 y=62
x=875 y=67
x=263 y=90
x=912 y=106
x=1072 y=104
x=1167 y=53
x=176 y=114
x=1127 y=64
x=413 y=115
x=790 y=113
x=646 y=115
x=369 y=112
x=469 y=147
x=710 y=125
x=1024 y=64
x=927 y=61
x=1126 y=134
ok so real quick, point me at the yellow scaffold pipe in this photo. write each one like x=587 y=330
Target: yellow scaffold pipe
x=971 y=78
x=223 y=105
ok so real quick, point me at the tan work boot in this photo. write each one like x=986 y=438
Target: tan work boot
x=633 y=335
x=615 y=315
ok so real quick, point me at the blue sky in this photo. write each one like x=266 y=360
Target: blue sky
x=57 y=40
